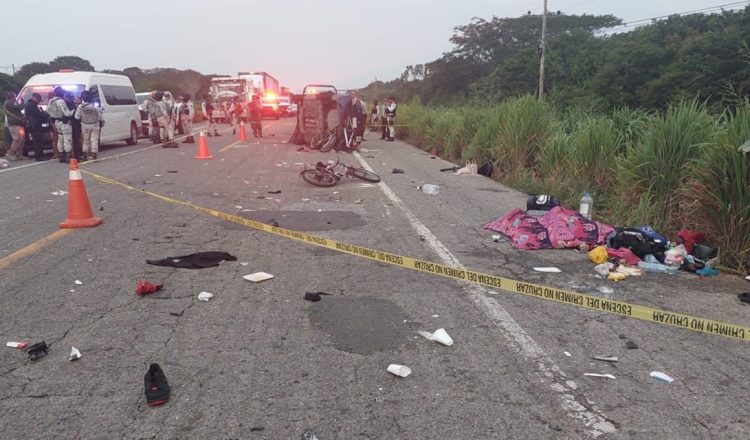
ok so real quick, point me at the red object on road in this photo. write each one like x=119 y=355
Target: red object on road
x=144 y=288
x=243 y=134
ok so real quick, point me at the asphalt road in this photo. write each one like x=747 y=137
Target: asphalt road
x=259 y=362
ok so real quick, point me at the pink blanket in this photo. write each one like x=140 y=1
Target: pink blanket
x=559 y=228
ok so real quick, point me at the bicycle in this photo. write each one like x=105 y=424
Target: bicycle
x=329 y=174
x=346 y=133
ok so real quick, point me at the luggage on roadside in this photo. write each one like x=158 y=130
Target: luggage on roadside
x=642 y=241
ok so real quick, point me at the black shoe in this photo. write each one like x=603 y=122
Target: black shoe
x=64 y=158
x=156 y=386
x=234 y=131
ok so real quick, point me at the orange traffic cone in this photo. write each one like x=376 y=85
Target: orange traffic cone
x=243 y=134
x=203 y=152
x=79 y=208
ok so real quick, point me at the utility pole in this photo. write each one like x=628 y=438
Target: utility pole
x=542 y=50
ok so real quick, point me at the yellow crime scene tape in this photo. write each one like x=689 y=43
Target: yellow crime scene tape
x=547 y=293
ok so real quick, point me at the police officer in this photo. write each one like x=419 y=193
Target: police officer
x=61 y=116
x=187 y=112
x=148 y=107
x=91 y=124
x=173 y=115
x=77 y=134
x=255 y=111
x=374 y=115
x=208 y=112
x=163 y=116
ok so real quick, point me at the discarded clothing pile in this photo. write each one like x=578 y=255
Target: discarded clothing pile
x=200 y=260
x=557 y=229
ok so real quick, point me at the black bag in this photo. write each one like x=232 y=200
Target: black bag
x=638 y=242
x=486 y=169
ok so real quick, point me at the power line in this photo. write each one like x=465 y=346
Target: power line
x=695 y=11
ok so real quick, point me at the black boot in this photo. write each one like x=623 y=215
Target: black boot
x=64 y=157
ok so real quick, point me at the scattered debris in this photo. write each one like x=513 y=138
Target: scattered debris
x=309 y=434
x=606 y=376
x=567 y=354
x=237 y=206
x=747 y=277
x=744 y=297
x=397 y=171
x=244 y=263
x=435 y=315
x=598 y=255
x=59 y=192
x=421 y=238
x=35 y=351
x=144 y=288
x=312 y=296
x=399 y=370
x=433 y=157
x=335 y=192
x=440 y=336
x=496 y=237
x=205 y=296
x=172 y=171
x=4 y=163
x=74 y=354
x=257 y=277
x=200 y=260
x=605 y=357
x=278 y=191
x=604 y=268
x=78 y=283
x=18 y=345
x=547 y=269
x=304 y=149
x=257 y=428
x=178 y=314
x=616 y=276
x=454 y=168
x=662 y=377
x=358 y=201
x=604 y=290
x=157 y=175
x=429 y=188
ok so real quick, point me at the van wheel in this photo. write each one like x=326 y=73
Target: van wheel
x=133 y=139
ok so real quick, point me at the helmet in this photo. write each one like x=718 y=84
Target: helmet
x=59 y=91
x=158 y=95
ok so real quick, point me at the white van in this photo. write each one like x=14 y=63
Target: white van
x=114 y=94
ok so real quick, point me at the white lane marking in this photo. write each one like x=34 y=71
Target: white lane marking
x=550 y=374
x=20 y=167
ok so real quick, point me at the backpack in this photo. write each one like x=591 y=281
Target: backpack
x=641 y=241
x=486 y=169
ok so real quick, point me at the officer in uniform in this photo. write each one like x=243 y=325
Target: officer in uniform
x=61 y=116
x=91 y=124
x=163 y=115
x=35 y=117
x=187 y=112
x=208 y=113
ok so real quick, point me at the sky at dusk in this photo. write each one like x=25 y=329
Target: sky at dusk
x=345 y=43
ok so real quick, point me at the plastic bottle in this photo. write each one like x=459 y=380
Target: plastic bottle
x=656 y=267
x=587 y=205
x=429 y=188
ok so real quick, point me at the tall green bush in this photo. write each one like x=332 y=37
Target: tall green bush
x=657 y=168
x=523 y=127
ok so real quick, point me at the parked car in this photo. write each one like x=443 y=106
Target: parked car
x=145 y=121
x=114 y=94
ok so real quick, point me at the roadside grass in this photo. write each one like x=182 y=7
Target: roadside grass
x=675 y=169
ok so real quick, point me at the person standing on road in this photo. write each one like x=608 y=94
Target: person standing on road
x=208 y=113
x=91 y=124
x=35 y=117
x=173 y=115
x=187 y=112
x=256 y=115
x=162 y=111
x=77 y=132
x=61 y=116
x=148 y=106
x=390 y=119
x=53 y=130
x=374 y=115
x=14 y=117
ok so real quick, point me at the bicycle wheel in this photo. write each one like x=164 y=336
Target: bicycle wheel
x=329 y=143
x=367 y=176
x=316 y=141
x=317 y=178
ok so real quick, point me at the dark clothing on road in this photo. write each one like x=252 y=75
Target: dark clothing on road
x=200 y=260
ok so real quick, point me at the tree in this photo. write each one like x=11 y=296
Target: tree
x=28 y=70
x=71 y=62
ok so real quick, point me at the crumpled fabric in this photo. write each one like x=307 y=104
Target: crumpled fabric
x=558 y=228
x=624 y=254
x=200 y=260
x=144 y=288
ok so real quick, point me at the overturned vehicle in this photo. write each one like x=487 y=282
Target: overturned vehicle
x=327 y=119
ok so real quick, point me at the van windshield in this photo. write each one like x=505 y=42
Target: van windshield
x=46 y=89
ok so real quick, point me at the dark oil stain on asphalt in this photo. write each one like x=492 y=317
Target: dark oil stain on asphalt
x=304 y=220
x=361 y=325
